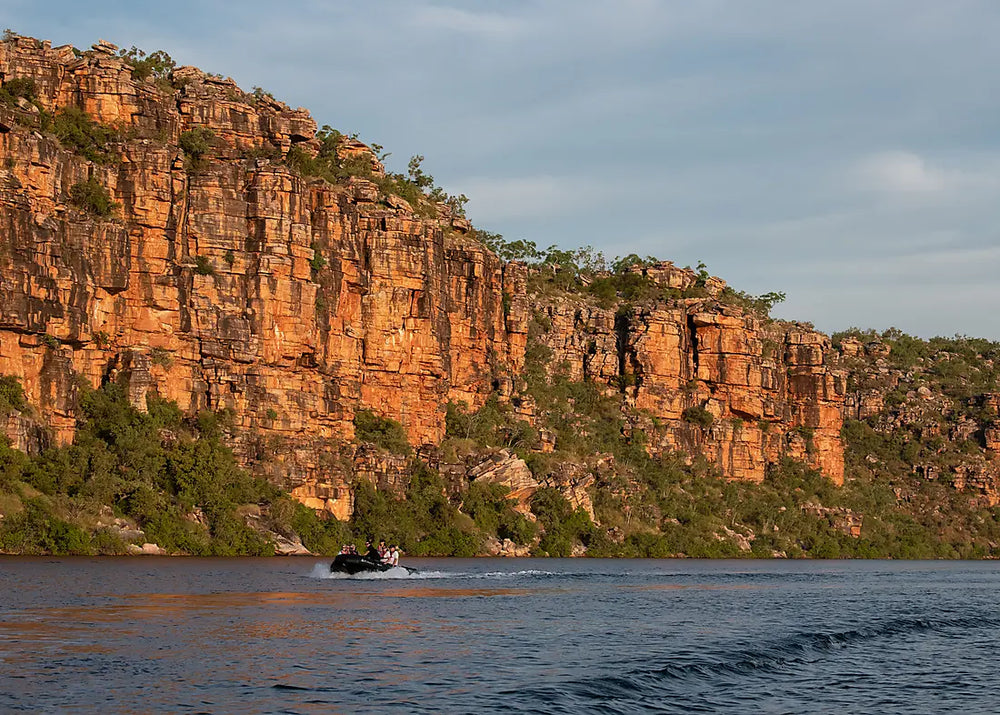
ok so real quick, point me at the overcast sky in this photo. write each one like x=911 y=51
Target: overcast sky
x=846 y=153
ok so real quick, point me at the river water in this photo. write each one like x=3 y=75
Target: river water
x=135 y=635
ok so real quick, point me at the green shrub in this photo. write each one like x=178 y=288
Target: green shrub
x=317 y=262
x=563 y=525
x=520 y=250
x=760 y=304
x=320 y=536
x=77 y=131
x=491 y=510
x=203 y=266
x=196 y=143
x=108 y=543
x=259 y=93
x=12 y=463
x=493 y=425
x=157 y=65
x=161 y=357
x=697 y=415
x=380 y=431
x=17 y=88
x=11 y=395
x=36 y=530
x=92 y=197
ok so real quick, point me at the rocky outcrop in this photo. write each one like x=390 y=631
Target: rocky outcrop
x=714 y=379
x=235 y=284
x=933 y=405
x=507 y=470
x=227 y=281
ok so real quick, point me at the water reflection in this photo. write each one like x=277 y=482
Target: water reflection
x=698 y=586
x=248 y=636
x=424 y=592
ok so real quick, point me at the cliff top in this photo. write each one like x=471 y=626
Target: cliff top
x=134 y=95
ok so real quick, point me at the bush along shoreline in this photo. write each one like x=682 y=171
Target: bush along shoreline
x=135 y=478
x=559 y=461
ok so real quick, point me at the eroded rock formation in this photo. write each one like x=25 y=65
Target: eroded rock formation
x=232 y=283
x=721 y=382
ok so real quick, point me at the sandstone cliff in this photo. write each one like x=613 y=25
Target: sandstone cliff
x=228 y=281
x=922 y=413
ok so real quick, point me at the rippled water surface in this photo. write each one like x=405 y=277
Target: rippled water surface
x=487 y=635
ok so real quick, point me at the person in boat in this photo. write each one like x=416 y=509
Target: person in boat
x=372 y=553
x=394 y=555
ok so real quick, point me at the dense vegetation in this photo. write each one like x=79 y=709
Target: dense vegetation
x=168 y=477
x=131 y=477
x=158 y=476
x=77 y=131
x=15 y=89
x=335 y=165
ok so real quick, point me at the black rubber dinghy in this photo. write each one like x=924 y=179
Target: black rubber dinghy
x=356 y=563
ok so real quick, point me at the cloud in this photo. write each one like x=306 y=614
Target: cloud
x=437 y=17
x=903 y=172
x=845 y=152
x=494 y=200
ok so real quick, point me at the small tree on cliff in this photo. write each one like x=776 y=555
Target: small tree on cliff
x=93 y=198
x=381 y=431
x=157 y=65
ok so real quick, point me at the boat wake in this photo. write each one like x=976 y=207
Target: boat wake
x=694 y=676
x=321 y=570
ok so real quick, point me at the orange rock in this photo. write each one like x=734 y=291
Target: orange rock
x=714 y=357
x=238 y=284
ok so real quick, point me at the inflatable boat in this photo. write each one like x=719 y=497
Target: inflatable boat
x=356 y=563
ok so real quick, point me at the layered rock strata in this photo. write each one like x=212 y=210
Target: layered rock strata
x=232 y=283
x=235 y=284
x=718 y=381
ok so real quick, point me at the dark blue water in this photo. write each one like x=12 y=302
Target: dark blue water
x=490 y=635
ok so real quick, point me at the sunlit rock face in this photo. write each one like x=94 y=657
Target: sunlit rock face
x=715 y=381
x=232 y=283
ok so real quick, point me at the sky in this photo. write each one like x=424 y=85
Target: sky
x=845 y=153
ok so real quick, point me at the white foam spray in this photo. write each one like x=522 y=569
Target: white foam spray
x=321 y=570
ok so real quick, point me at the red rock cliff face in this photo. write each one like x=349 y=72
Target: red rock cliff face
x=208 y=288
x=237 y=284
x=766 y=386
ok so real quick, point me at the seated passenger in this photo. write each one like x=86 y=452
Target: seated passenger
x=394 y=555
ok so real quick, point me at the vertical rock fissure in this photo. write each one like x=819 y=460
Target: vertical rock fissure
x=623 y=319
x=693 y=339
x=185 y=282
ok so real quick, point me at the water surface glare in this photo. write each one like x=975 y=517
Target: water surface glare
x=491 y=635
